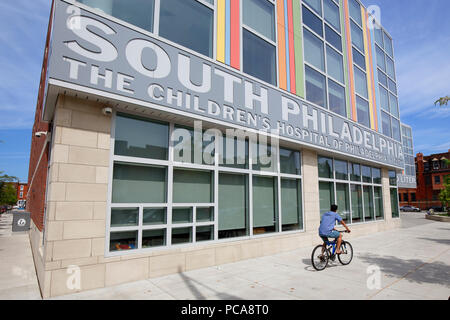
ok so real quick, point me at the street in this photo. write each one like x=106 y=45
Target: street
x=412 y=262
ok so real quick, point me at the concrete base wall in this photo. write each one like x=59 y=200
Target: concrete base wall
x=72 y=258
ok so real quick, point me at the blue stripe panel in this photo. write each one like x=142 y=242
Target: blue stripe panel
x=228 y=32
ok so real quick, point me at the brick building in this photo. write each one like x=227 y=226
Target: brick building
x=22 y=190
x=430 y=173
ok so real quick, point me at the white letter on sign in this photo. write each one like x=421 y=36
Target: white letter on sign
x=134 y=56
x=107 y=52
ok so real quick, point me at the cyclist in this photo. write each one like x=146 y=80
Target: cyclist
x=327 y=230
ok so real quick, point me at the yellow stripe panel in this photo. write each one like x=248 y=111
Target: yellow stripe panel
x=368 y=74
x=221 y=31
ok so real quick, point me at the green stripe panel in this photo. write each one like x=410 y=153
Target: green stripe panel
x=344 y=51
x=298 y=44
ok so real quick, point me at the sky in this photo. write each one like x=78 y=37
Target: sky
x=420 y=29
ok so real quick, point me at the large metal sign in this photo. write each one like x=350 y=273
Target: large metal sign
x=91 y=51
x=406 y=182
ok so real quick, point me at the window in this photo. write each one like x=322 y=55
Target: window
x=357 y=36
x=188 y=23
x=314 y=50
x=355 y=11
x=233 y=205
x=413 y=197
x=355 y=172
x=343 y=201
x=191 y=186
x=390 y=68
x=312 y=21
x=325 y=166
x=21 y=188
x=341 y=170
x=259 y=58
x=392 y=86
x=336 y=96
x=316 y=5
x=236 y=156
x=388 y=45
x=379 y=36
x=384 y=99
x=291 y=208
x=366 y=174
x=186 y=150
x=265 y=213
x=393 y=102
x=326 y=196
x=333 y=38
x=359 y=59
x=362 y=109
x=360 y=82
x=137 y=137
x=138 y=184
x=378 y=198
x=437 y=180
x=315 y=87
x=369 y=213
x=260 y=16
x=392 y=178
x=381 y=63
x=290 y=162
x=137 y=12
x=357 y=206
x=335 y=67
x=382 y=78
x=394 y=203
x=331 y=14
x=396 y=129
x=376 y=175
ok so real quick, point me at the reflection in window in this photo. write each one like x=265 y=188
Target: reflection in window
x=290 y=162
x=336 y=94
x=137 y=12
x=360 y=82
x=259 y=58
x=335 y=66
x=325 y=166
x=355 y=11
x=331 y=14
x=312 y=21
x=315 y=87
x=124 y=217
x=333 y=38
x=189 y=23
x=314 y=50
x=362 y=107
x=386 y=124
x=260 y=16
x=341 y=169
x=357 y=36
x=355 y=172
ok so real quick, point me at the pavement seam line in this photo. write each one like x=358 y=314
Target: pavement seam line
x=409 y=273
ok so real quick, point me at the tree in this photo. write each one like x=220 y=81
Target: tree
x=8 y=193
x=443 y=101
x=444 y=196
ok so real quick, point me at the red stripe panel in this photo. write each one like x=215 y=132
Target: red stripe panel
x=235 y=39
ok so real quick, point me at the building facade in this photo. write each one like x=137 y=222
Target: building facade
x=183 y=134
x=22 y=190
x=431 y=173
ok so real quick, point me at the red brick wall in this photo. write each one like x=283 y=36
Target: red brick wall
x=37 y=173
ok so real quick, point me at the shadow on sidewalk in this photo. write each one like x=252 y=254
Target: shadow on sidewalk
x=415 y=270
x=191 y=284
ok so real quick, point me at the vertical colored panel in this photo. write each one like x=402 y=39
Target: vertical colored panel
x=292 y=65
x=375 y=80
x=281 y=45
x=368 y=67
x=345 y=54
x=350 y=60
x=235 y=35
x=227 y=32
x=286 y=35
x=371 y=66
x=298 y=48
x=221 y=31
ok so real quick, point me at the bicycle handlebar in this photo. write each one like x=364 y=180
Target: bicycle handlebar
x=345 y=231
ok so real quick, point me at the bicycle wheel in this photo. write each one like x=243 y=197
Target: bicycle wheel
x=319 y=258
x=347 y=253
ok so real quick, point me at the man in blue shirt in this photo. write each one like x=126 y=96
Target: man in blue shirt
x=327 y=224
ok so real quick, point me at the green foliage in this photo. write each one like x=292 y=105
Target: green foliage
x=442 y=101
x=444 y=196
x=8 y=194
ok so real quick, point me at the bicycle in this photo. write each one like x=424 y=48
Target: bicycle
x=324 y=252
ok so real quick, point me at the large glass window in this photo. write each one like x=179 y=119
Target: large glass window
x=331 y=14
x=291 y=205
x=341 y=169
x=186 y=149
x=359 y=59
x=314 y=50
x=388 y=45
x=394 y=203
x=336 y=96
x=357 y=36
x=326 y=196
x=316 y=5
x=137 y=137
x=265 y=213
x=333 y=38
x=189 y=23
x=259 y=58
x=290 y=161
x=360 y=82
x=379 y=211
x=138 y=184
x=260 y=16
x=386 y=124
x=369 y=213
x=315 y=87
x=312 y=21
x=192 y=186
x=233 y=205
x=137 y=12
x=384 y=97
x=234 y=152
x=357 y=206
x=335 y=67
x=390 y=68
x=396 y=129
x=355 y=11
x=382 y=78
x=325 y=166
x=393 y=102
x=362 y=108
x=381 y=63
x=343 y=201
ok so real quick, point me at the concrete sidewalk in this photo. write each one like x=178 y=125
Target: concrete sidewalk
x=414 y=263
x=17 y=273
